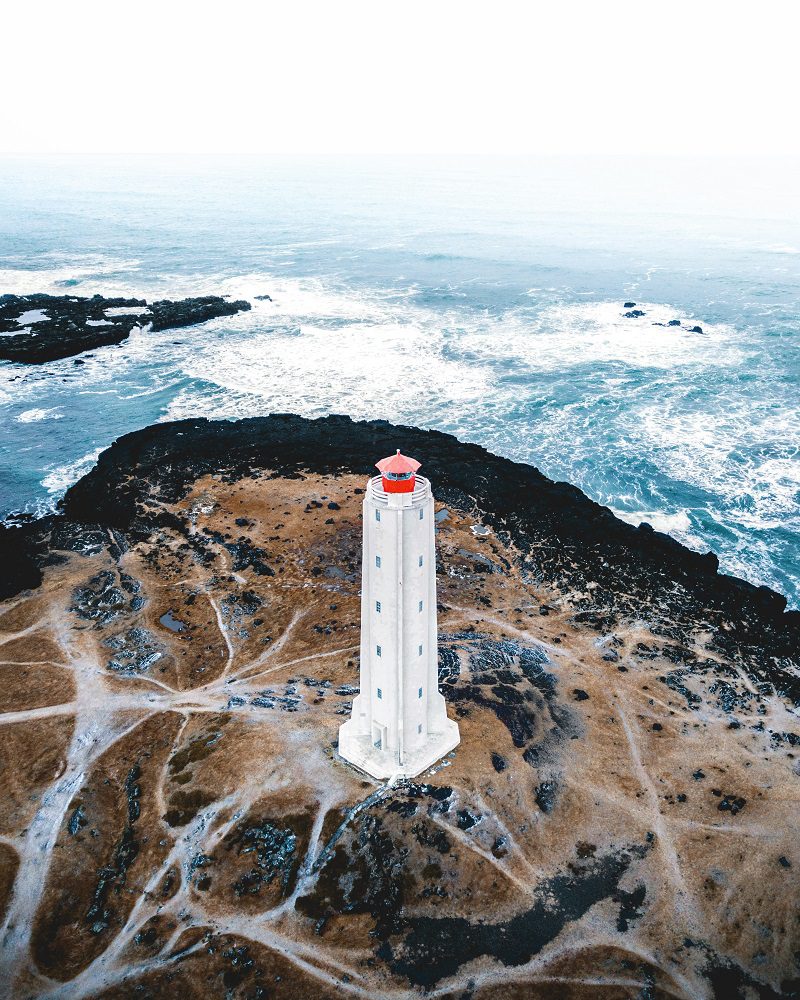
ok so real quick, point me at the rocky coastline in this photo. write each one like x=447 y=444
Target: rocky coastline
x=179 y=645
x=35 y=329
x=565 y=539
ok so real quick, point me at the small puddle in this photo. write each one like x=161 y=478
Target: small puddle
x=32 y=316
x=173 y=624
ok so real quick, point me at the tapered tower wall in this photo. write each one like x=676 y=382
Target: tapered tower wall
x=399 y=722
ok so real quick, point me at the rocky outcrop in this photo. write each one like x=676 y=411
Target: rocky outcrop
x=170 y=697
x=35 y=329
x=168 y=315
x=564 y=538
x=633 y=313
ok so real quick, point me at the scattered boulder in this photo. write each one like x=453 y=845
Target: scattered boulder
x=546 y=796
x=732 y=804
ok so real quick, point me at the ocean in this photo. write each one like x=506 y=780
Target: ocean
x=479 y=296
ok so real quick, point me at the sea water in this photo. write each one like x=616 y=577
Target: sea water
x=479 y=296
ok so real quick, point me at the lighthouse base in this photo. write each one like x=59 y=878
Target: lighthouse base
x=357 y=749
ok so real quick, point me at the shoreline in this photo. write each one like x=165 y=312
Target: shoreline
x=54 y=327
x=577 y=541
x=173 y=692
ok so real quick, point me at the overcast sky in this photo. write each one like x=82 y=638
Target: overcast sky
x=421 y=76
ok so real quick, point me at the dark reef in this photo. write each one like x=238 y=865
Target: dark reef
x=564 y=539
x=74 y=325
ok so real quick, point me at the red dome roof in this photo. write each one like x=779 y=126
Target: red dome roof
x=398 y=465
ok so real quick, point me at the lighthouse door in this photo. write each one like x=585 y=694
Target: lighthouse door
x=378 y=736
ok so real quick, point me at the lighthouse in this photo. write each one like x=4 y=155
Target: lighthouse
x=399 y=724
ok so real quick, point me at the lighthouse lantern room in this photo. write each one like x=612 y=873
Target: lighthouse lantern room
x=399 y=724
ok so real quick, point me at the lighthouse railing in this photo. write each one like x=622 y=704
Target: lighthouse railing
x=422 y=489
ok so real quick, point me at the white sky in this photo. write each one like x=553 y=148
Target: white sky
x=418 y=76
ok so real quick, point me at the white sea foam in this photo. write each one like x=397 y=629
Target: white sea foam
x=35 y=415
x=60 y=478
x=742 y=453
x=59 y=270
x=345 y=349
x=126 y=311
x=599 y=332
x=678 y=524
x=363 y=369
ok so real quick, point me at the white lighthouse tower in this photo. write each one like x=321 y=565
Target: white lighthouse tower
x=399 y=724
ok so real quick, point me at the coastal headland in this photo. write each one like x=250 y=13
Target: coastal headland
x=179 y=645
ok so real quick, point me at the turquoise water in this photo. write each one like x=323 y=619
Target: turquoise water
x=481 y=297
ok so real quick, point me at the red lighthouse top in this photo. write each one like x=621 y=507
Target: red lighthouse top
x=397 y=472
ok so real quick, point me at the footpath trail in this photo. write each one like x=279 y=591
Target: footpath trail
x=618 y=820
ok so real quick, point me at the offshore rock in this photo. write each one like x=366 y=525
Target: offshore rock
x=40 y=328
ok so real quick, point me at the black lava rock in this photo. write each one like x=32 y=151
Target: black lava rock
x=72 y=325
x=546 y=796
x=732 y=804
x=167 y=315
x=547 y=522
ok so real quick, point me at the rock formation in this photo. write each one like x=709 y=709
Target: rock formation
x=39 y=328
x=179 y=648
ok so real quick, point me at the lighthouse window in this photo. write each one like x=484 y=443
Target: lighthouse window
x=380 y=694
x=378 y=606
x=420 y=560
x=420 y=605
x=378 y=561
x=421 y=513
x=420 y=651
x=419 y=728
x=377 y=515
x=419 y=693
x=378 y=650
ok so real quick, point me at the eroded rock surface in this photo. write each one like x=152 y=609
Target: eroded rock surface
x=39 y=328
x=174 y=818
